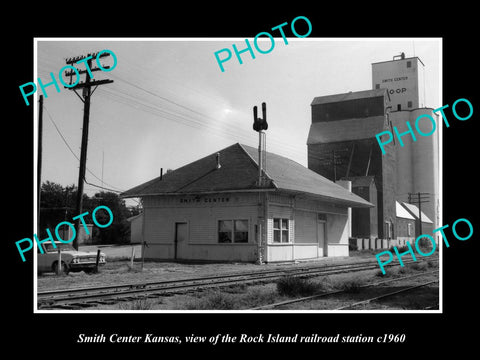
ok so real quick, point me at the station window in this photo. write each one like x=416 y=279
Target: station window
x=399 y=107
x=409 y=104
x=409 y=64
x=233 y=231
x=377 y=86
x=280 y=230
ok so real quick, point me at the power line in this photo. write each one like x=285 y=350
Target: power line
x=102 y=187
x=60 y=133
x=130 y=100
x=75 y=155
x=236 y=131
x=421 y=198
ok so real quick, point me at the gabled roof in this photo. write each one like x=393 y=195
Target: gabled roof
x=402 y=212
x=414 y=211
x=239 y=172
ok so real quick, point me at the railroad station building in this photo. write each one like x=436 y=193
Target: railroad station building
x=216 y=209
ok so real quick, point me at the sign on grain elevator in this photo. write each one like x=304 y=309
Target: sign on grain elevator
x=404 y=80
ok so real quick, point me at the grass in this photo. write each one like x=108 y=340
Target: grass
x=216 y=300
x=400 y=249
x=245 y=297
x=139 y=304
x=351 y=286
x=407 y=269
x=231 y=298
x=294 y=286
x=418 y=266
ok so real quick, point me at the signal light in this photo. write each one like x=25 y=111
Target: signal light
x=260 y=124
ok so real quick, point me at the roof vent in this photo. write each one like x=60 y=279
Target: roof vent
x=218 y=161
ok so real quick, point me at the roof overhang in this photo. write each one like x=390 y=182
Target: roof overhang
x=331 y=199
x=198 y=193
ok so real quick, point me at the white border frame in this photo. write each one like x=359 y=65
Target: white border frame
x=35 y=154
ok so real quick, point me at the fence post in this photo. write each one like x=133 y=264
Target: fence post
x=144 y=245
x=59 y=267
x=132 y=257
x=98 y=259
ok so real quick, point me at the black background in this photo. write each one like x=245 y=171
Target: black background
x=426 y=333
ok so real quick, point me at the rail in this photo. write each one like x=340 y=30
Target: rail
x=335 y=292
x=76 y=298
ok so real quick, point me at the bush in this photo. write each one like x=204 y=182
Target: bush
x=388 y=273
x=216 y=300
x=139 y=304
x=401 y=249
x=352 y=285
x=295 y=286
x=418 y=266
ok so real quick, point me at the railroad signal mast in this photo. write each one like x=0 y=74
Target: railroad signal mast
x=85 y=98
x=259 y=125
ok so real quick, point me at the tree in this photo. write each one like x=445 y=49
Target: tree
x=119 y=231
x=57 y=204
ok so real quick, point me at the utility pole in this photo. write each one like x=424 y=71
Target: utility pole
x=39 y=162
x=421 y=198
x=85 y=98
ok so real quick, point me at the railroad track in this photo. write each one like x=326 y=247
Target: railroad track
x=357 y=303
x=79 y=298
x=384 y=296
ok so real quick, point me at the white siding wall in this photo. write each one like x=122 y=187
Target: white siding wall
x=337 y=235
x=306 y=227
x=279 y=209
x=202 y=219
x=303 y=229
x=201 y=216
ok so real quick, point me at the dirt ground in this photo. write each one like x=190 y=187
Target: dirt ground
x=241 y=297
x=119 y=271
x=246 y=297
x=417 y=299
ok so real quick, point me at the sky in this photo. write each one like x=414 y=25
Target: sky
x=170 y=104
